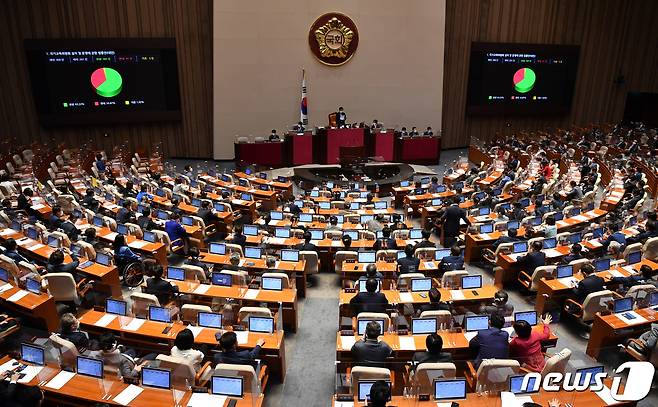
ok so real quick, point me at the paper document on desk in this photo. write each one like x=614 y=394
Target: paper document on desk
x=630 y=269
x=580 y=218
x=349 y=404
x=346 y=342
x=60 y=380
x=134 y=325
x=251 y=294
x=456 y=295
x=201 y=289
x=595 y=243
x=515 y=256
x=606 y=395
x=5 y=287
x=336 y=243
x=105 y=320
x=17 y=296
x=276 y=240
x=30 y=373
x=196 y=330
x=7 y=232
x=205 y=399
x=7 y=365
x=631 y=318
x=428 y=265
x=138 y=244
x=615 y=273
x=242 y=336
x=36 y=246
x=470 y=335
x=508 y=399
x=128 y=394
x=36 y=207
x=568 y=281
x=406 y=298
x=485 y=236
x=111 y=235
x=407 y=343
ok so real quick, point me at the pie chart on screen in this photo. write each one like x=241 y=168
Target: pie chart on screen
x=106 y=81
x=524 y=80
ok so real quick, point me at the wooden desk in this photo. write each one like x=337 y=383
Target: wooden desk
x=149 y=337
x=156 y=250
x=38 y=308
x=509 y=269
x=475 y=243
x=609 y=330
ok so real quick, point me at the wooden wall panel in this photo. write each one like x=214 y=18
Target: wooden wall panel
x=189 y=21
x=615 y=37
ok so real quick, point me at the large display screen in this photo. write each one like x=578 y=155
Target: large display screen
x=90 y=81
x=521 y=78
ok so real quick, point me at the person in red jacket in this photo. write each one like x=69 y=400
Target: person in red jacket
x=526 y=346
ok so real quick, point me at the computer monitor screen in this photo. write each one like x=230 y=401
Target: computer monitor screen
x=418 y=191
x=283 y=233
x=261 y=324
x=77 y=250
x=122 y=229
x=149 y=236
x=272 y=283
x=602 y=264
x=400 y=254
x=153 y=377
x=32 y=233
x=437 y=202
x=484 y=211
x=421 y=326
x=98 y=221
x=361 y=329
x=353 y=234
x=4 y=275
x=449 y=389
x=245 y=197
x=558 y=216
x=16 y=225
x=524 y=202
x=477 y=323
x=354 y=206
x=529 y=316
x=362 y=286
x=159 y=314
x=250 y=230
x=381 y=205
x=574 y=212
x=404 y=183
x=516 y=385
x=513 y=224
x=116 y=307
x=441 y=253
x=364 y=390
x=363 y=194
x=33 y=286
x=367 y=257
x=219 y=207
x=634 y=257
x=536 y=221
x=421 y=284
x=458 y=185
x=415 y=234
x=315 y=193
x=175 y=273
x=209 y=320
x=305 y=217
x=507 y=206
x=217 y=248
x=575 y=238
x=324 y=205
x=281 y=179
x=653 y=298
x=187 y=220
x=470 y=282
x=196 y=202
x=276 y=215
x=89 y=367
x=597 y=233
x=317 y=234
x=227 y=386
x=162 y=215
x=549 y=243
x=589 y=372
x=330 y=185
x=53 y=241
x=289 y=255
x=103 y=258
x=623 y=305
x=520 y=247
x=252 y=252
x=486 y=228
x=226 y=178
x=32 y=354
x=262 y=175
x=222 y=279
x=299 y=203
x=564 y=271
x=340 y=219
x=366 y=218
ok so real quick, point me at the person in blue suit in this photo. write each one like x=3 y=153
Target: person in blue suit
x=228 y=344
x=491 y=343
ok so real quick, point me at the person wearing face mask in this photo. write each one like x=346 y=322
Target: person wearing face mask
x=113 y=354
x=341 y=117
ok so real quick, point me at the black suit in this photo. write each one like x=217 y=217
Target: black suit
x=368 y=302
x=146 y=223
x=307 y=247
x=384 y=244
x=207 y=216
x=241 y=357
x=341 y=118
x=161 y=289
x=424 y=243
x=125 y=215
x=531 y=261
x=408 y=264
x=239 y=239
x=571 y=257
x=451 y=217
x=427 y=357
x=504 y=239
x=371 y=352
x=588 y=285
x=433 y=306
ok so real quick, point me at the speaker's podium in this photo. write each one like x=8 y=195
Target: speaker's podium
x=330 y=140
x=352 y=156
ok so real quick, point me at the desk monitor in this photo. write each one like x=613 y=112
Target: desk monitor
x=449 y=389
x=404 y=184
x=122 y=229
x=362 y=286
x=196 y=202
x=437 y=202
x=149 y=236
x=458 y=185
x=162 y=215
x=16 y=225
x=415 y=234
x=261 y=324
x=116 y=307
x=246 y=197
x=575 y=238
x=209 y=320
x=89 y=367
x=219 y=207
x=283 y=233
x=32 y=233
x=574 y=212
x=484 y=211
x=217 y=248
x=340 y=219
x=549 y=243
x=479 y=196
x=253 y=252
x=363 y=194
x=487 y=228
x=276 y=215
x=317 y=234
x=558 y=216
x=290 y=255
x=187 y=221
x=175 y=273
x=33 y=286
x=226 y=178
x=421 y=284
x=520 y=247
x=516 y=385
x=78 y=250
x=421 y=326
x=324 y=205
x=221 y=279
x=477 y=323
x=529 y=316
x=160 y=192
x=153 y=377
x=440 y=188
x=330 y=185
x=272 y=283
x=33 y=354
x=440 y=254
x=355 y=206
x=597 y=233
x=353 y=234
x=363 y=391
x=507 y=206
x=160 y=314
x=299 y=203
x=524 y=202
x=366 y=218
x=425 y=180
x=634 y=257
x=381 y=205
x=305 y=217
x=513 y=224
x=471 y=282
x=262 y=175
x=4 y=275
x=250 y=230
x=315 y=193
x=653 y=298
x=536 y=221
x=229 y=386
x=623 y=305
x=400 y=254
x=53 y=241
x=281 y=179
x=361 y=329
x=564 y=271
x=602 y=264
x=98 y=221
x=379 y=234
x=367 y=257
x=103 y=258
x=590 y=372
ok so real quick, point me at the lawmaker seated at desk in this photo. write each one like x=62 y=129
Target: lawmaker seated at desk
x=590 y=283
x=435 y=303
x=229 y=353
x=56 y=263
x=156 y=285
x=307 y=245
x=645 y=276
x=183 y=349
x=299 y=128
x=526 y=346
x=428 y=132
x=409 y=263
x=371 y=272
x=370 y=351
x=434 y=353
x=453 y=262
x=69 y=329
x=371 y=300
x=533 y=259
x=500 y=305
x=113 y=354
x=491 y=343
x=575 y=253
x=274 y=136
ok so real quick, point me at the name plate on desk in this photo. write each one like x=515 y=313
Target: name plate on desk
x=105 y=320
x=17 y=296
x=128 y=394
x=631 y=318
x=134 y=325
